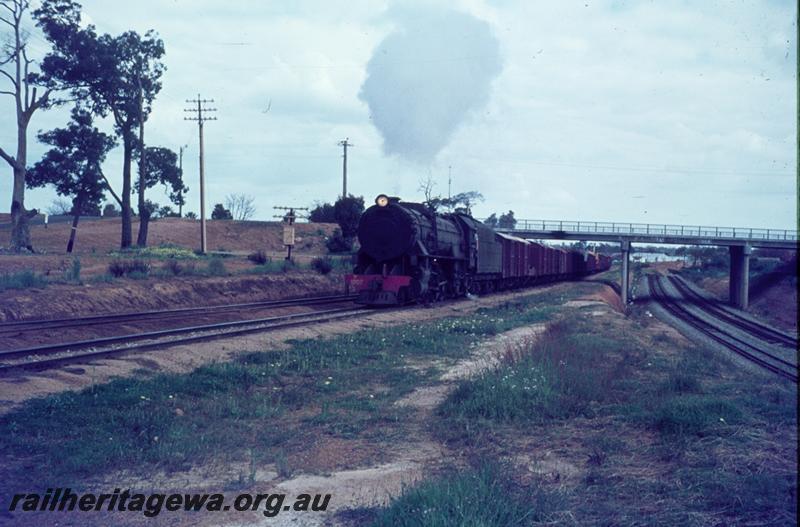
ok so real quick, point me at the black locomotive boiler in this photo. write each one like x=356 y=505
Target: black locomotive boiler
x=409 y=253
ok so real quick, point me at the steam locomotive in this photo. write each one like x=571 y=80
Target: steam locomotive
x=409 y=253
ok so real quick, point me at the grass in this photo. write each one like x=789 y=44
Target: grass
x=677 y=434
x=484 y=496
x=344 y=387
x=655 y=431
x=162 y=251
x=22 y=280
x=275 y=266
x=73 y=274
x=557 y=376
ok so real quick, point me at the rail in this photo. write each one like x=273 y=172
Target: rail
x=692 y=231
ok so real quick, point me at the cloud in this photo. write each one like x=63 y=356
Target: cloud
x=426 y=77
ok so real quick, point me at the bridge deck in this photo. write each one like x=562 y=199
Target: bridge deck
x=654 y=233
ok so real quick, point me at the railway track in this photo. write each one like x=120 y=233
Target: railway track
x=85 y=351
x=20 y=326
x=758 y=354
x=751 y=326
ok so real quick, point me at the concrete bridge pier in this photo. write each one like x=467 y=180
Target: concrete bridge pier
x=739 y=281
x=625 y=248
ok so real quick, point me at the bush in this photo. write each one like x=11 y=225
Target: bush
x=73 y=274
x=339 y=243
x=21 y=280
x=216 y=267
x=287 y=265
x=258 y=257
x=119 y=268
x=322 y=213
x=178 y=268
x=165 y=250
x=322 y=265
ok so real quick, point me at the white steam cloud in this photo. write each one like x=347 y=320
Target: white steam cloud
x=425 y=78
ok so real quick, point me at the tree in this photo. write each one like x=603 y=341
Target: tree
x=114 y=75
x=322 y=213
x=110 y=211
x=491 y=221
x=426 y=187
x=73 y=165
x=461 y=203
x=507 y=220
x=15 y=69
x=190 y=215
x=161 y=166
x=347 y=212
x=59 y=207
x=241 y=206
x=167 y=212
x=221 y=213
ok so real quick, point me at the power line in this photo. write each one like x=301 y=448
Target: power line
x=199 y=116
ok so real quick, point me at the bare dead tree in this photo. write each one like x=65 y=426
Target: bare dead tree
x=15 y=71
x=241 y=206
x=426 y=187
x=60 y=207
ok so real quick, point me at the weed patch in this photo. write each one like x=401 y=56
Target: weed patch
x=557 y=376
x=216 y=267
x=485 y=496
x=21 y=280
x=130 y=268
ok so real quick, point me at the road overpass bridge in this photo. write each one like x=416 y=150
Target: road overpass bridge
x=740 y=243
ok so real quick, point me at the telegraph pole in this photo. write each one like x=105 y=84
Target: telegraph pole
x=344 y=144
x=180 y=169
x=200 y=118
x=449 y=180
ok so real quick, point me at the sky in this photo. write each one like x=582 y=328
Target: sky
x=672 y=111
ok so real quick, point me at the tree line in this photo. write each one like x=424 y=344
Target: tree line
x=100 y=75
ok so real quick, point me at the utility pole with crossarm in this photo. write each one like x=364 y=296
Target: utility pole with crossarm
x=200 y=118
x=344 y=144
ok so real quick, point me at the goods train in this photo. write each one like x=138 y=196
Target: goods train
x=409 y=253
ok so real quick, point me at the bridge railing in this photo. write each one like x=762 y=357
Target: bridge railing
x=697 y=231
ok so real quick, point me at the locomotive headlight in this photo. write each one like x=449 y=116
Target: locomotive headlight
x=382 y=200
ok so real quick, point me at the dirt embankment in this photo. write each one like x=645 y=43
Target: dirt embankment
x=103 y=235
x=778 y=303
x=133 y=295
x=773 y=297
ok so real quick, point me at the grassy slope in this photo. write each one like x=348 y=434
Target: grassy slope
x=657 y=431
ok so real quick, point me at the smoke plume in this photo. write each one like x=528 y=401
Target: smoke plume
x=425 y=78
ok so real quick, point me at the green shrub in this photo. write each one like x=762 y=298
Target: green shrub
x=216 y=267
x=287 y=265
x=258 y=257
x=322 y=265
x=21 y=280
x=162 y=251
x=73 y=274
x=178 y=268
x=338 y=243
x=120 y=267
